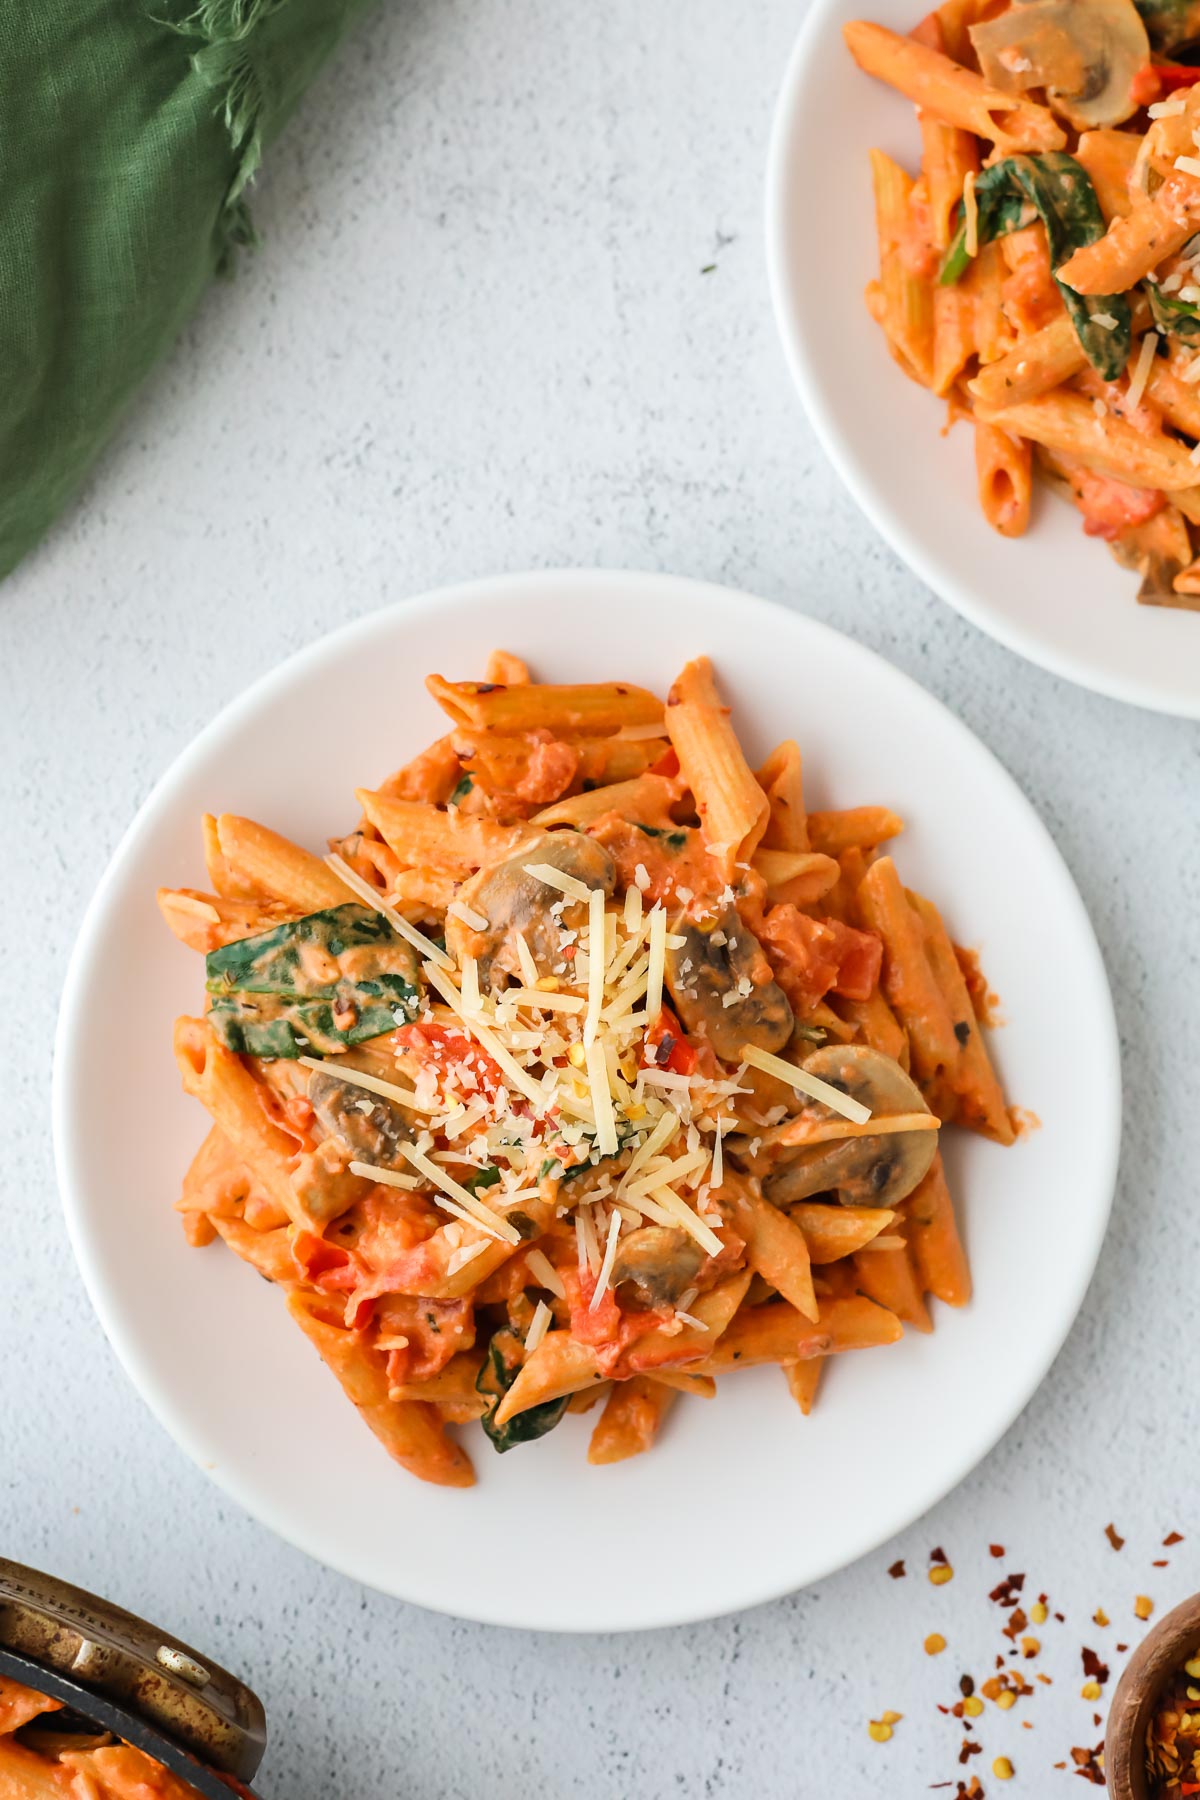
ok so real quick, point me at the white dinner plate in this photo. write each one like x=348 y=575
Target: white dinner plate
x=743 y=1499
x=1054 y=595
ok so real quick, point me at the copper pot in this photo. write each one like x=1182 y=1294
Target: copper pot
x=121 y=1675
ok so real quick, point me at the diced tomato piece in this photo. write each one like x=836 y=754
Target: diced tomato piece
x=447 y=1050
x=802 y=953
x=666 y=1047
x=667 y=764
x=325 y=1265
x=1110 y=507
x=859 y=958
x=1159 y=78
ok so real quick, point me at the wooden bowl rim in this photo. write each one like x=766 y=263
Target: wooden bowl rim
x=1163 y=1650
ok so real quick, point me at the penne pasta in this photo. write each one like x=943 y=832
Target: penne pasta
x=951 y=93
x=529 y=706
x=1004 y=470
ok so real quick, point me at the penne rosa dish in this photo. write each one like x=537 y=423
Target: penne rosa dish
x=1041 y=273
x=587 y=1067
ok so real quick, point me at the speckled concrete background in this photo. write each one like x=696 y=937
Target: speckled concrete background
x=478 y=338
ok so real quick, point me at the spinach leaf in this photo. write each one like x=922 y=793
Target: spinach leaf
x=1178 y=318
x=1056 y=189
x=319 y=983
x=462 y=790
x=504 y=1360
x=674 y=840
x=1170 y=24
x=482 y=1178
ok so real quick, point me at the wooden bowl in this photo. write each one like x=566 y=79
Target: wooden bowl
x=1161 y=1652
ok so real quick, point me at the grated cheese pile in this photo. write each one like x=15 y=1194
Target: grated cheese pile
x=559 y=1079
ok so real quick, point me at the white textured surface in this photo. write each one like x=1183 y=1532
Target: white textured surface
x=478 y=338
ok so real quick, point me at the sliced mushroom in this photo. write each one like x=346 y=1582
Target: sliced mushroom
x=512 y=901
x=721 y=986
x=1085 y=53
x=876 y=1170
x=658 y=1264
x=371 y=1127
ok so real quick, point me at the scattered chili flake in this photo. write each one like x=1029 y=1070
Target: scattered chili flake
x=940 y=1574
x=1118 y=1543
x=1006 y=1700
x=1089 y=1763
x=1173 y=1737
x=1002 y=1769
x=1172 y=1537
x=1160 y=1565
x=966 y=1685
x=1143 y=1606
x=1016 y=1624
x=1100 y=1617
x=1037 y=1612
x=935 y=1643
x=972 y=1706
x=897 y=1569
x=1047 y=1680
x=1093 y=1668
x=1005 y=1592
x=1121 y=1648
x=938 y=1555
x=997 y=1550
x=968 y=1749
x=1090 y=1690
x=1029 y=1647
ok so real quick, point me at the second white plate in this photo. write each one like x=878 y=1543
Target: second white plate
x=1054 y=595
x=743 y=1499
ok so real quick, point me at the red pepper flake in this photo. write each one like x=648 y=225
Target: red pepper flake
x=1093 y=1668
x=897 y=1569
x=1005 y=1592
x=1172 y=1537
x=969 y=1749
x=1116 y=1540
x=1087 y=1764
x=966 y=1686
x=938 y=1555
x=1121 y=1648
x=1161 y=1564
x=1061 y=1617
x=1016 y=1624
x=997 y=1550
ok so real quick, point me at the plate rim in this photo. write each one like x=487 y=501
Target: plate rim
x=907 y=545
x=973 y=1448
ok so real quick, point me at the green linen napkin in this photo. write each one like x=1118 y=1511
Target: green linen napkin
x=128 y=131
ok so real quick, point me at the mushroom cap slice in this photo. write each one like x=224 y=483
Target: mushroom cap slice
x=720 y=955
x=512 y=901
x=1085 y=53
x=658 y=1263
x=372 y=1127
x=876 y=1170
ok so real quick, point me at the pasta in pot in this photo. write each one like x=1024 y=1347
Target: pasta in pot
x=537 y=1085
x=1041 y=272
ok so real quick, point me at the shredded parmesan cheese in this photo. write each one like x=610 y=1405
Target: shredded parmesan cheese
x=544 y=1272
x=366 y=893
x=539 y=1325
x=1188 y=165
x=606 y=1267
x=971 y=214
x=811 y=1085
x=465 y=1201
x=1141 y=372
x=556 y=878
x=656 y=968
x=1105 y=320
x=374 y=1085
